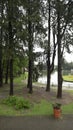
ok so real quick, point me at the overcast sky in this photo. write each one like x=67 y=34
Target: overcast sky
x=67 y=56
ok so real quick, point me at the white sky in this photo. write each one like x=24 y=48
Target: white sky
x=67 y=56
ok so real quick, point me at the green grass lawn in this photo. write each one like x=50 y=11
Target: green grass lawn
x=42 y=108
x=7 y=111
x=67 y=109
x=68 y=77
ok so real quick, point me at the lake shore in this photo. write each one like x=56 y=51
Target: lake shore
x=67 y=82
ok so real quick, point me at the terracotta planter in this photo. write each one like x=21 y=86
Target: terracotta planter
x=57 y=110
x=57 y=113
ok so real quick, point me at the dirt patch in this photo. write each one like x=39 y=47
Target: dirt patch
x=39 y=93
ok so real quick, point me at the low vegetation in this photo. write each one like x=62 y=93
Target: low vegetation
x=18 y=105
x=16 y=102
x=68 y=78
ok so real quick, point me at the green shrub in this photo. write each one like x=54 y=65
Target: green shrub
x=16 y=102
x=11 y=100
x=21 y=103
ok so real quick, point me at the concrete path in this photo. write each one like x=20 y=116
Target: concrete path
x=36 y=123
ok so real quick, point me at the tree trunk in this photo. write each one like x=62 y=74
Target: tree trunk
x=1 y=38
x=11 y=76
x=48 y=54
x=59 y=91
x=1 y=69
x=30 y=66
x=1 y=76
x=30 y=47
x=54 y=50
x=6 y=74
x=11 y=57
x=30 y=76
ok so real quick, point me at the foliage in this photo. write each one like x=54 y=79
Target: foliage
x=66 y=65
x=21 y=103
x=57 y=106
x=22 y=77
x=42 y=108
x=36 y=73
x=16 y=102
x=10 y=101
x=14 y=39
x=19 y=65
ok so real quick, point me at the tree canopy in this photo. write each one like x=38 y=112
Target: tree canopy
x=27 y=23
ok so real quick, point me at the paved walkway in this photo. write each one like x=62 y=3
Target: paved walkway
x=36 y=123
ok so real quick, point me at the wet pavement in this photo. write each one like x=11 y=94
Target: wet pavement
x=36 y=123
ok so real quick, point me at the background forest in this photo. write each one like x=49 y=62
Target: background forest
x=24 y=24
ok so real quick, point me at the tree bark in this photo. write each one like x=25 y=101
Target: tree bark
x=1 y=70
x=48 y=54
x=1 y=39
x=30 y=47
x=11 y=57
x=1 y=74
x=6 y=74
x=59 y=91
x=11 y=76
x=54 y=50
x=30 y=76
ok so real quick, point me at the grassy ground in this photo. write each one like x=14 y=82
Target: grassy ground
x=42 y=108
x=68 y=78
x=38 y=107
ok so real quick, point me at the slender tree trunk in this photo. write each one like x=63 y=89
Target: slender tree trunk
x=48 y=54
x=11 y=76
x=30 y=46
x=1 y=38
x=1 y=74
x=6 y=74
x=11 y=57
x=11 y=45
x=59 y=92
x=30 y=76
x=54 y=50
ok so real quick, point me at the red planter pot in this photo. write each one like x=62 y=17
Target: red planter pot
x=57 y=113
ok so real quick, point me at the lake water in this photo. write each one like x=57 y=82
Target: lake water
x=54 y=78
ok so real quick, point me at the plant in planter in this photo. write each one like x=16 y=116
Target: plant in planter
x=57 y=110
